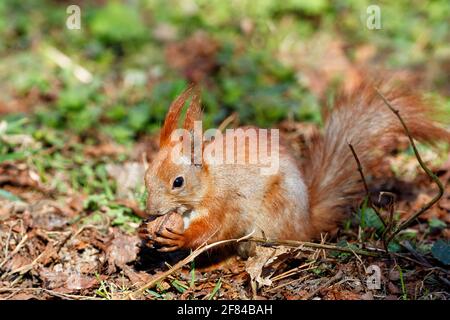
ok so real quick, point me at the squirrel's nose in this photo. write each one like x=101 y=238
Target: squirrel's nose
x=153 y=207
x=152 y=211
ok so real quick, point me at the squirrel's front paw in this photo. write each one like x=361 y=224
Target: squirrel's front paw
x=169 y=240
x=164 y=233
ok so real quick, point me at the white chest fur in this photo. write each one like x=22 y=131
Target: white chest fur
x=188 y=217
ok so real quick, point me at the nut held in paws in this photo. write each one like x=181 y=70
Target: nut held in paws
x=173 y=221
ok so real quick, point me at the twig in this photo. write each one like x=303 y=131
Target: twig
x=7 y=241
x=390 y=224
x=436 y=180
x=24 y=269
x=185 y=261
x=335 y=278
x=369 y=200
x=419 y=259
x=19 y=246
x=294 y=271
x=66 y=63
x=294 y=243
x=54 y=293
x=288 y=283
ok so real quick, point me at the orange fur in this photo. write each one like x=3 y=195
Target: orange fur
x=172 y=117
x=194 y=112
x=363 y=120
x=229 y=201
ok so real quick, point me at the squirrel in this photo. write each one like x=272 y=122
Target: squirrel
x=305 y=197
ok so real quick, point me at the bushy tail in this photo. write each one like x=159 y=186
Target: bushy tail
x=363 y=120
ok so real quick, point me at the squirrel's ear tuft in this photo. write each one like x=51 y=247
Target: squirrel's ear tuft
x=173 y=115
x=194 y=112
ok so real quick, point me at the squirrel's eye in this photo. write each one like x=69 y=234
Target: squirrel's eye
x=178 y=182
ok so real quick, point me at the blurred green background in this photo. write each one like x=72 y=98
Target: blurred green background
x=268 y=60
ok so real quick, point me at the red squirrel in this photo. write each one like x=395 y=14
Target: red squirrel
x=303 y=198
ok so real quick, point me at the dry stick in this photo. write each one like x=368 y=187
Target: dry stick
x=297 y=244
x=57 y=294
x=7 y=241
x=185 y=261
x=369 y=200
x=293 y=271
x=288 y=283
x=24 y=269
x=436 y=180
x=18 y=247
x=421 y=259
x=390 y=225
x=335 y=278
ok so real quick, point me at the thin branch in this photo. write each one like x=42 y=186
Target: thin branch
x=294 y=271
x=51 y=292
x=288 y=283
x=296 y=244
x=330 y=281
x=433 y=177
x=390 y=208
x=185 y=261
x=18 y=247
x=369 y=200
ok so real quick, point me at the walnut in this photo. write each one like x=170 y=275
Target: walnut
x=173 y=221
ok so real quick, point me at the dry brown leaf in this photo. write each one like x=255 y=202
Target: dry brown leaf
x=122 y=250
x=137 y=278
x=47 y=215
x=263 y=257
x=66 y=281
x=393 y=289
x=338 y=294
x=23 y=296
x=18 y=261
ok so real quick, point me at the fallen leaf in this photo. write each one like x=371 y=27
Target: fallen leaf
x=122 y=250
x=441 y=251
x=262 y=258
x=78 y=281
x=367 y=296
x=18 y=261
x=393 y=289
x=47 y=215
x=66 y=281
x=23 y=296
x=136 y=277
x=338 y=294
